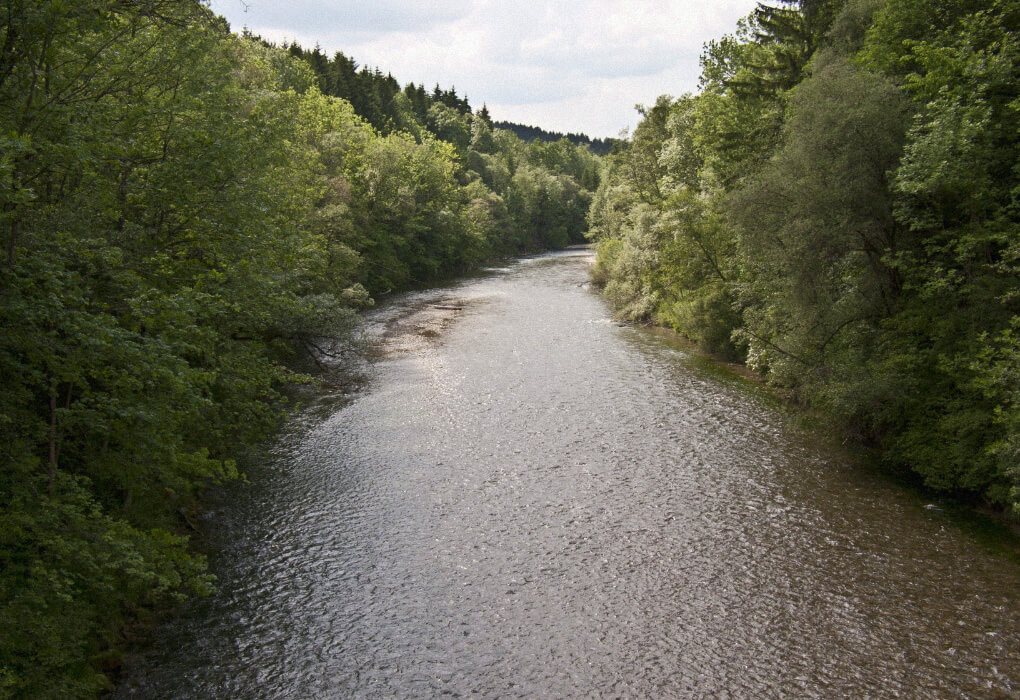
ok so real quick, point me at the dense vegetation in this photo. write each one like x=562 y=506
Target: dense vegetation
x=374 y=95
x=182 y=212
x=838 y=207
x=534 y=133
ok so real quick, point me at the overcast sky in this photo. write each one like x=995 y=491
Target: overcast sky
x=563 y=65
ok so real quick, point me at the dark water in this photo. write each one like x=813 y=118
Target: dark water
x=529 y=501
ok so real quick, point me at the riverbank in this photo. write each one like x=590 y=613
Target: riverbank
x=994 y=529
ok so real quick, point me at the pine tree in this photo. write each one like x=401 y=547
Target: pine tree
x=483 y=114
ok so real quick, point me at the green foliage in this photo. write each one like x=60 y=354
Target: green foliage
x=997 y=375
x=665 y=253
x=450 y=126
x=736 y=127
x=530 y=134
x=815 y=224
x=955 y=194
x=155 y=187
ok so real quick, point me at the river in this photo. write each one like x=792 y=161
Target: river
x=528 y=500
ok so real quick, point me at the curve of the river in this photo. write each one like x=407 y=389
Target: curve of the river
x=531 y=501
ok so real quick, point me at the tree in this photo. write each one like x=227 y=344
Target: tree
x=816 y=227
x=954 y=194
x=157 y=179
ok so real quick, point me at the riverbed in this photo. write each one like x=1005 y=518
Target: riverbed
x=530 y=500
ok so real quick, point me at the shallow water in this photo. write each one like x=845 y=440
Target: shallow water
x=531 y=501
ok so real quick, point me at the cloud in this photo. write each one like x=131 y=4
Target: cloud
x=347 y=17
x=605 y=106
x=560 y=64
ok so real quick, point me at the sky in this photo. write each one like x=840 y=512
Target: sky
x=563 y=65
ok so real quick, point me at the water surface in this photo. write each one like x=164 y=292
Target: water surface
x=531 y=501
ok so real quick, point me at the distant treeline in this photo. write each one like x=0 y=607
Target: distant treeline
x=375 y=97
x=533 y=133
x=839 y=207
x=184 y=215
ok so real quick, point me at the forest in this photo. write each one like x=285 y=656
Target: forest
x=185 y=214
x=188 y=215
x=838 y=208
x=530 y=133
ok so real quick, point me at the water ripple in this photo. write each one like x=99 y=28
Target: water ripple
x=535 y=502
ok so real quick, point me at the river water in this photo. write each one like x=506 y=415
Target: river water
x=528 y=500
